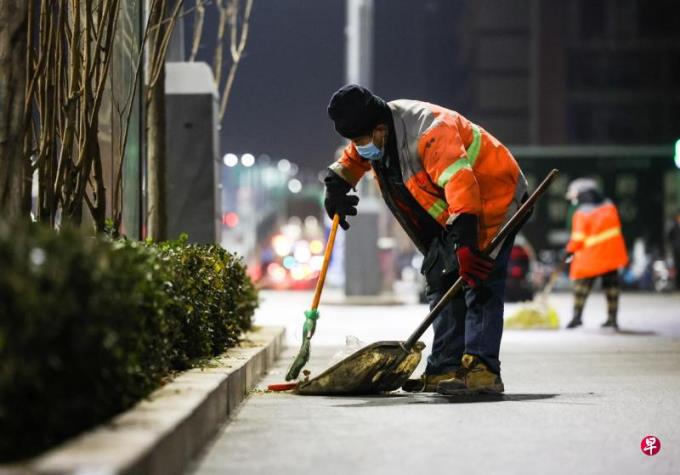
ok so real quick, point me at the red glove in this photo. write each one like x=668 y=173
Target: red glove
x=473 y=268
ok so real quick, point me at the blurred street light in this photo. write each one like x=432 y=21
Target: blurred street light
x=282 y=245
x=301 y=252
x=230 y=160
x=295 y=186
x=230 y=219
x=316 y=246
x=248 y=160
x=293 y=230
x=316 y=262
x=289 y=262
x=283 y=165
x=677 y=153
x=276 y=272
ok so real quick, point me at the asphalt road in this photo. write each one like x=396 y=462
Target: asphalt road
x=576 y=401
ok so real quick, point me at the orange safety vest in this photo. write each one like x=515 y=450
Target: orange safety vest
x=596 y=241
x=449 y=165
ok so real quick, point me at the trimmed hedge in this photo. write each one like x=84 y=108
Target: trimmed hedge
x=88 y=326
x=212 y=299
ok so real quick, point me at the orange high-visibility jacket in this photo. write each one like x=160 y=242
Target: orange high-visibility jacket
x=596 y=241
x=449 y=165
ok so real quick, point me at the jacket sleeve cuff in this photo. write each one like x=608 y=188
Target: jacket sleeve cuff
x=574 y=246
x=462 y=231
x=344 y=173
x=336 y=183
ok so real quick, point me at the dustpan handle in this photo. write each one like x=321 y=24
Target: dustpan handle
x=512 y=226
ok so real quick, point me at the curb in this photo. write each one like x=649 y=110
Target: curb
x=162 y=434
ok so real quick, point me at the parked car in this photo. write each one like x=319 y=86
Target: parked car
x=518 y=286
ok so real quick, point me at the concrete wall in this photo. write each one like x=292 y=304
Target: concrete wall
x=191 y=120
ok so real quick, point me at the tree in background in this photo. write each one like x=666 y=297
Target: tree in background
x=230 y=43
x=69 y=48
x=55 y=59
x=160 y=26
x=14 y=189
x=232 y=36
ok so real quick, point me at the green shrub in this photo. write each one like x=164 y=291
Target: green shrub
x=212 y=298
x=88 y=326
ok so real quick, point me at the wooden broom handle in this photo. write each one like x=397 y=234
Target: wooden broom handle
x=326 y=259
x=512 y=226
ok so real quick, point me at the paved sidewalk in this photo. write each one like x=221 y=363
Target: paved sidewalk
x=576 y=402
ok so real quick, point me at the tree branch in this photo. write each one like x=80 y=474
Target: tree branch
x=236 y=53
x=199 y=20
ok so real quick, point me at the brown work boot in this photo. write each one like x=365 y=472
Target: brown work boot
x=475 y=378
x=427 y=383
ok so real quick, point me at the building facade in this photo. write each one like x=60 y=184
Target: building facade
x=591 y=87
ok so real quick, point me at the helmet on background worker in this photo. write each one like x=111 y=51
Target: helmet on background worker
x=578 y=186
x=596 y=239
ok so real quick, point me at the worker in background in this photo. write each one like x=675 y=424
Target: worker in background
x=674 y=239
x=597 y=247
x=451 y=185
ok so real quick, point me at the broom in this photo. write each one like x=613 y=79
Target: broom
x=539 y=314
x=312 y=315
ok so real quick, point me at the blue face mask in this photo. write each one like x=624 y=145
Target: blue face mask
x=369 y=151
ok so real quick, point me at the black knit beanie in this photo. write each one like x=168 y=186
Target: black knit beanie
x=356 y=111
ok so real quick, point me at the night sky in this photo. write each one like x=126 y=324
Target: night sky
x=295 y=60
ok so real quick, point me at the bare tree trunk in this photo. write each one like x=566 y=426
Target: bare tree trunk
x=13 y=176
x=156 y=132
x=70 y=48
x=155 y=127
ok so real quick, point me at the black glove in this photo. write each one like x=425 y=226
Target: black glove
x=564 y=256
x=463 y=231
x=338 y=200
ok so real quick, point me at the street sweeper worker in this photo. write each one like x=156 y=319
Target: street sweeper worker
x=451 y=185
x=597 y=246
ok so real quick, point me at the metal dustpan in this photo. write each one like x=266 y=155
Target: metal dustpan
x=385 y=366
x=380 y=367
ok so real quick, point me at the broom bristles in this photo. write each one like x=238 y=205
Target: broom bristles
x=300 y=360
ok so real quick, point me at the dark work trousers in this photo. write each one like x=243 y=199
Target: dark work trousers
x=472 y=322
x=610 y=285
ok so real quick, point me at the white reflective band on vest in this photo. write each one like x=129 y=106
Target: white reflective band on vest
x=603 y=236
x=577 y=236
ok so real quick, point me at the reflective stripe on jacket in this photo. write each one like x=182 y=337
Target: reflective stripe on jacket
x=596 y=241
x=449 y=165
